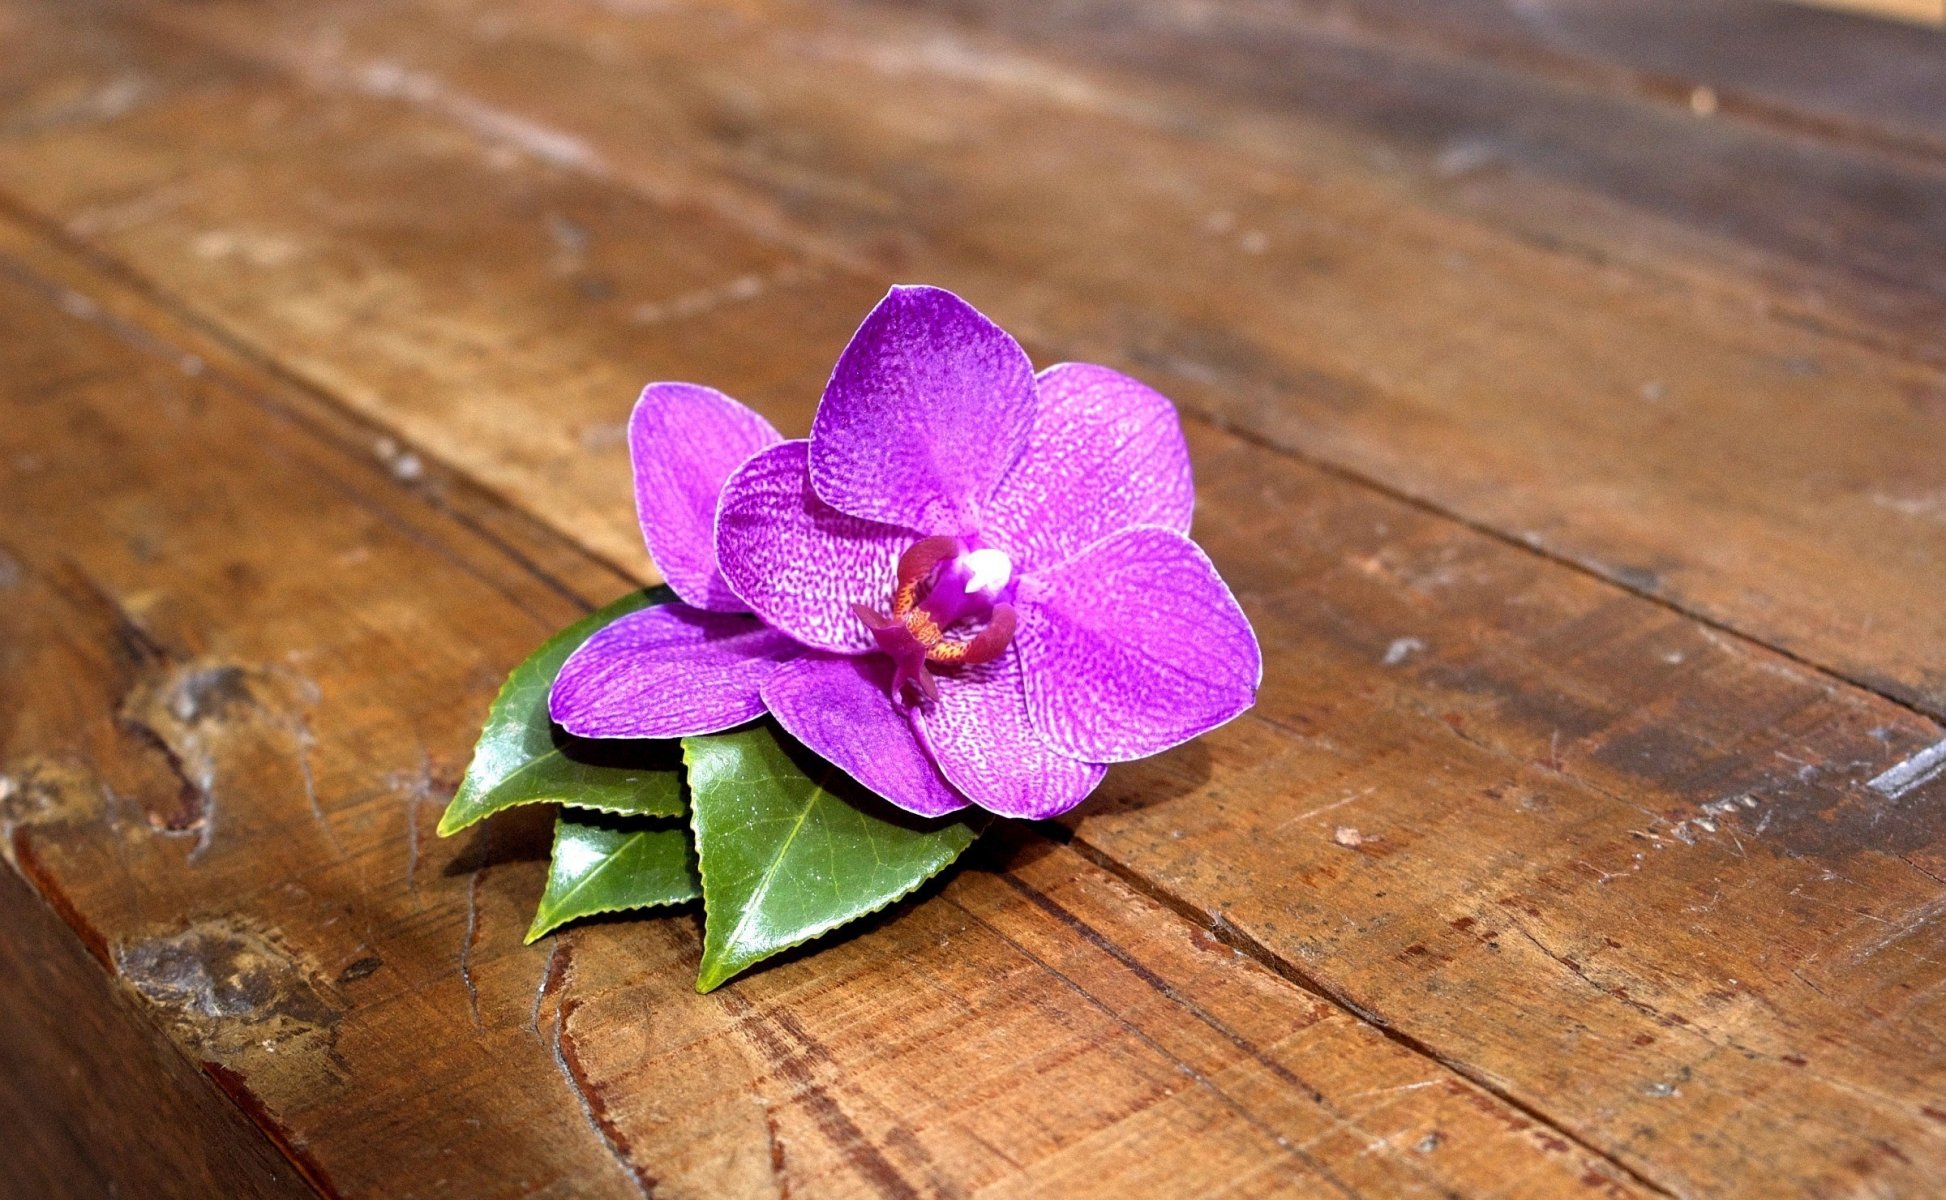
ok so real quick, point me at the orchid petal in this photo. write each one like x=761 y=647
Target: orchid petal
x=667 y=671
x=800 y=564
x=979 y=733
x=1105 y=453
x=1133 y=646
x=842 y=709
x=928 y=407
x=685 y=440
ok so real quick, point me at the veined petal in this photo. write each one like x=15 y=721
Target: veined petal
x=1105 y=453
x=668 y=671
x=979 y=733
x=842 y=708
x=927 y=409
x=685 y=440
x=799 y=563
x=1133 y=646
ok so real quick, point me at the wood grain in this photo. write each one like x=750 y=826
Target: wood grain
x=86 y=1087
x=1660 y=416
x=1931 y=12
x=1805 y=68
x=1655 y=904
x=252 y=657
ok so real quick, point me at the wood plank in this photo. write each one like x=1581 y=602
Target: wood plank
x=1634 y=871
x=1675 y=428
x=1931 y=12
x=1534 y=731
x=247 y=660
x=1828 y=73
x=86 y=1083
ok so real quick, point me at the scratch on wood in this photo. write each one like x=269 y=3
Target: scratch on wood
x=1907 y=860
x=1402 y=649
x=412 y=850
x=305 y=742
x=1915 y=772
x=554 y=147
x=1904 y=927
x=468 y=942
x=106 y=102
x=417 y=788
x=741 y=290
x=1323 y=809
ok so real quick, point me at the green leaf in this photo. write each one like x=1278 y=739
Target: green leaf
x=609 y=864
x=790 y=847
x=524 y=758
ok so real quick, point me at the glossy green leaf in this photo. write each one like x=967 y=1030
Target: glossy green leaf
x=609 y=864
x=790 y=847
x=524 y=758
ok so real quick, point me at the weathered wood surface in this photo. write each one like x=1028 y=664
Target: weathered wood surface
x=226 y=784
x=1694 y=356
x=90 y=1095
x=1625 y=910
x=1827 y=73
x=1930 y=12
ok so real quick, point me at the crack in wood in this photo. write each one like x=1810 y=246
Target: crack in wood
x=550 y=981
x=471 y=938
x=568 y=1062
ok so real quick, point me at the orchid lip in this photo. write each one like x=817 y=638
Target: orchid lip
x=943 y=582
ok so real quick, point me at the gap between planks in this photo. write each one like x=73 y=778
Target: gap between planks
x=336 y=413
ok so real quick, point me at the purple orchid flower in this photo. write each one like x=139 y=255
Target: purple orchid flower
x=969 y=584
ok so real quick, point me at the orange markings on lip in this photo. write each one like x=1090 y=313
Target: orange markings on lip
x=916 y=567
x=915 y=571
x=905 y=601
x=985 y=646
x=922 y=627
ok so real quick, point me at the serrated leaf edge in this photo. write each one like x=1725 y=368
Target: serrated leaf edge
x=446 y=828
x=535 y=931
x=704 y=985
x=674 y=814
x=613 y=810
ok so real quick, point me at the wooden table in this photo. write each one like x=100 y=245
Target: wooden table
x=1567 y=387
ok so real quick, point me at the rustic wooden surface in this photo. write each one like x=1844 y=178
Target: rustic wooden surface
x=1932 y=12
x=1568 y=399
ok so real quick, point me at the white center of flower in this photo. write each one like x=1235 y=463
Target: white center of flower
x=987 y=570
